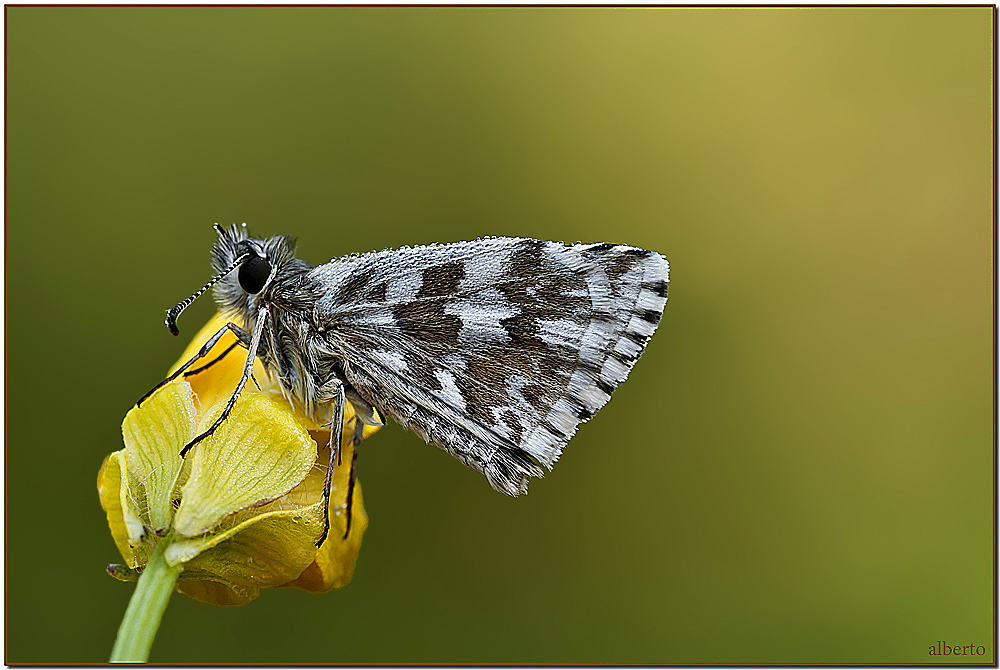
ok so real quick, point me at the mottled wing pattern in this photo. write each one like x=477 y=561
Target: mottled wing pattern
x=494 y=350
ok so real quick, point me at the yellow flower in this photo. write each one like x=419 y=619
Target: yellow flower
x=244 y=509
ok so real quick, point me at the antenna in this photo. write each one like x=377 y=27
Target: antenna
x=176 y=310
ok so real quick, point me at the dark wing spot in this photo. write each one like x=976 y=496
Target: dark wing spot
x=552 y=296
x=619 y=266
x=421 y=372
x=553 y=430
x=650 y=315
x=622 y=358
x=637 y=253
x=514 y=423
x=624 y=261
x=426 y=320
x=527 y=260
x=657 y=287
x=522 y=329
x=441 y=280
x=350 y=290
x=377 y=292
x=535 y=395
x=600 y=248
x=636 y=337
x=478 y=396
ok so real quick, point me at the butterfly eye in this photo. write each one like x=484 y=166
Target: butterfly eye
x=253 y=274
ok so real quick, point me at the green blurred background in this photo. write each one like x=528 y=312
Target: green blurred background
x=798 y=470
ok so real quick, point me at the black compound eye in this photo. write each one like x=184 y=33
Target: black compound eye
x=253 y=274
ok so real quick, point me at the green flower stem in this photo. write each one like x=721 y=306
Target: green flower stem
x=142 y=618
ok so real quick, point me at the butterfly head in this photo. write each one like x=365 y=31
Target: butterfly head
x=245 y=267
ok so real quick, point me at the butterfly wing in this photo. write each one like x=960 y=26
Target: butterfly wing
x=494 y=350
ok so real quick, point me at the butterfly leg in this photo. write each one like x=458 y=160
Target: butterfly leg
x=247 y=371
x=359 y=431
x=364 y=415
x=336 y=426
x=218 y=358
x=244 y=339
x=356 y=440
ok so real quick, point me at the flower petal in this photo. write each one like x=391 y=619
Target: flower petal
x=218 y=382
x=154 y=436
x=335 y=560
x=218 y=593
x=266 y=550
x=123 y=518
x=257 y=454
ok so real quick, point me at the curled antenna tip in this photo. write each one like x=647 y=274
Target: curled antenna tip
x=176 y=310
x=171 y=323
